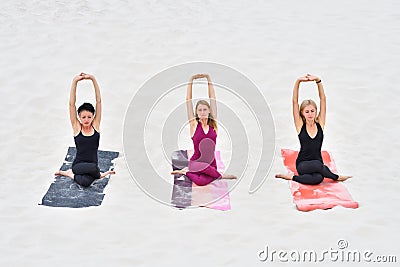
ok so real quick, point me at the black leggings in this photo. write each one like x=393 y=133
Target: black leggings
x=85 y=173
x=313 y=172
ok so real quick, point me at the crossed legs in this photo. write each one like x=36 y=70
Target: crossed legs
x=84 y=173
x=312 y=172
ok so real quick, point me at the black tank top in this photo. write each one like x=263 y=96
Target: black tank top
x=310 y=148
x=86 y=147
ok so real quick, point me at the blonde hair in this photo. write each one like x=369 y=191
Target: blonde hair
x=306 y=103
x=211 y=121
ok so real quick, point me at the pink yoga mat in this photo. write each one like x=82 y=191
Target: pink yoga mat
x=218 y=189
x=326 y=195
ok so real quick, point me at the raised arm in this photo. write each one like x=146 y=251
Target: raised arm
x=322 y=99
x=189 y=106
x=72 y=106
x=189 y=103
x=298 y=121
x=97 y=116
x=211 y=95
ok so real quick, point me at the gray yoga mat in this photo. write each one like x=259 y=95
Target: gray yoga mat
x=182 y=190
x=64 y=192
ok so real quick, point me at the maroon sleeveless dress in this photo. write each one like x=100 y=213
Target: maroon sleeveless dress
x=202 y=165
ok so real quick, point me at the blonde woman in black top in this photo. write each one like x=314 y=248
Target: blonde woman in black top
x=310 y=127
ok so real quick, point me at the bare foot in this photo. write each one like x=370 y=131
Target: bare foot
x=343 y=177
x=104 y=174
x=228 y=176
x=285 y=176
x=183 y=171
x=68 y=173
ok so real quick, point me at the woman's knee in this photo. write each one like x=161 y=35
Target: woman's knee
x=199 y=179
x=302 y=168
x=83 y=180
x=76 y=169
x=309 y=166
x=309 y=179
x=86 y=168
x=317 y=178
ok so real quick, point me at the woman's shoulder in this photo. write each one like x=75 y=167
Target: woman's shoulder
x=320 y=126
x=96 y=126
x=299 y=127
x=77 y=129
x=193 y=122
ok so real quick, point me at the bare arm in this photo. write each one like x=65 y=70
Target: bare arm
x=97 y=116
x=211 y=95
x=189 y=104
x=189 y=107
x=72 y=106
x=298 y=121
x=322 y=99
x=322 y=105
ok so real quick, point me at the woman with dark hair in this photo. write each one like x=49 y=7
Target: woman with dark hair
x=86 y=129
x=310 y=126
x=202 y=168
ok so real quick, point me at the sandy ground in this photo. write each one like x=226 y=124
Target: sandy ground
x=354 y=47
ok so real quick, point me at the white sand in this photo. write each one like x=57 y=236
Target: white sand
x=353 y=45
